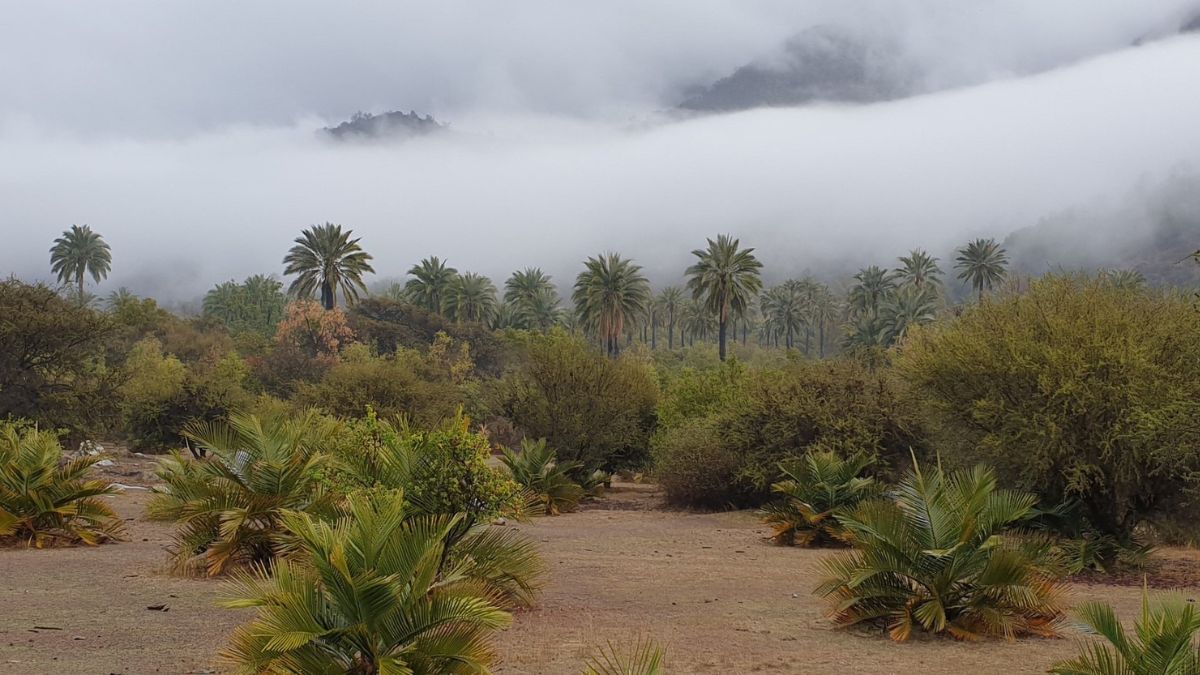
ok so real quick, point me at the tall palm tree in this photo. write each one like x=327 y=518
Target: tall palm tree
x=430 y=283
x=531 y=294
x=80 y=251
x=670 y=301
x=542 y=310
x=982 y=262
x=783 y=309
x=327 y=260
x=726 y=278
x=919 y=269
x=824 y=311
x=471 y=297
x=873 y=285
x=698 y=320
x=609 y=292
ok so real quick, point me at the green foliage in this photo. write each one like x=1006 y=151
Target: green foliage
x=1076 y=390
x=982 y=263
x=44 y=500
x=592 y=410
x=255 y=305
x=642 y=658
x=161 y=395
x=818 y=488
x=726 y=278
x=80 y=252
x=1163 y=643
x=327 y=261
x=367 y=593
x=536 y=469
x=388 y=325
x=471 y=298
x=230 y=505
x=450 y=471
x=52 y=362
x=430 y=285
x=694 y=467
x=610 y=292
x=935 y=559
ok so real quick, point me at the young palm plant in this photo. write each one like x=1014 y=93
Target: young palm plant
x=230 y=505
x=1164 y=640
x=44 y=501
x=537 y=470
x=367 y=593
x=818 y=488
x=935 y=559
x=643 y=658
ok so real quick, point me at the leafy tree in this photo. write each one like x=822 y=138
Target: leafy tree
x=919 y=269
x=591 y=409
x=52 y=361
x=1164 y=640
x=670 y=302
x=231 y=505
x=935 y=559
x=726 y=278
x=79 y=252
x=430 y=285
x=471 y=298
x=610 y=292
x=327 y=261
x=1076 y=390
x=817 y=489
x=982 y=263
x=537 y=470
x=45 y=500
x=307 y=343
x=366 y=594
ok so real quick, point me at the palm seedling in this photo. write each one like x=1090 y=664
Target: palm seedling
x=818 y=488
x=1163 y=641
x=43 y=500
x=935 y=558
x=368 y=593
x=536 y=469
x=230 y=505
x=644 y=658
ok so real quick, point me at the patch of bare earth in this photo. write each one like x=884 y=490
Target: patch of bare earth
x=705 y=586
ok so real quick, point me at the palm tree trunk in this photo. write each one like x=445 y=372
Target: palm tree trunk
x=821 y=337
x=653 y=336
x=79 y=278
x=721 y=339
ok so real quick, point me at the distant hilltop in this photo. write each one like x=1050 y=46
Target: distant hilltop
x=393 y=124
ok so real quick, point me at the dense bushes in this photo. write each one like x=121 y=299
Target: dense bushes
x=45 y=500
x=591 y=409
x=757 y=419
x=1077 y=390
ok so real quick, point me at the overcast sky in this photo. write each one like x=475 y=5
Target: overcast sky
x=184 y=132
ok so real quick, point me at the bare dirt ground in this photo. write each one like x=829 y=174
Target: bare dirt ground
x=705 y=586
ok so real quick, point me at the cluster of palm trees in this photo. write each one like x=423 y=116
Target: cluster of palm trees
x=613 y=300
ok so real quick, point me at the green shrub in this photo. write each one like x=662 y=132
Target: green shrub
x=817 y=489
x=45 y=501
x=367 y=593
x=694 y=468
x=1075 y=390
x=936 y=560
x=391 y=386
x=591 y=409
x=1164 y=640
x=548 y=480
x=230 y=505
x=450 y=472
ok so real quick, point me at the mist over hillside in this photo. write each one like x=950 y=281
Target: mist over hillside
x=925 y=126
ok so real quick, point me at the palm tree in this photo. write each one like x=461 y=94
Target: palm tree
x=609 y=292
x=873 y=285
x=982 y=263
x=919 y=269
x=77 y=252
x=531 y=294
x=326 y=260
x=471 y=297
x=430 y=283
x=697 y=321
x=726 y=278
x=119 y=298
x=908 y=307
x=1125 y=279
x=824 y=310
x=365 y=594
x=783 y=312
x=670 y=301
